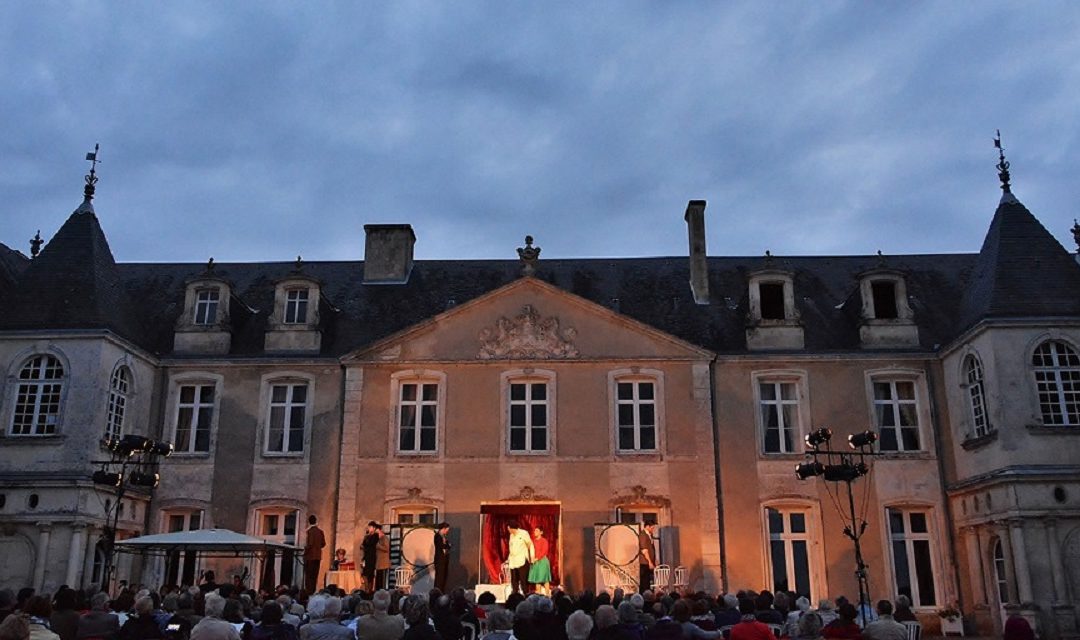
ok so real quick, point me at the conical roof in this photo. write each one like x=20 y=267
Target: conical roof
x=72 y=284
x=1021 y=271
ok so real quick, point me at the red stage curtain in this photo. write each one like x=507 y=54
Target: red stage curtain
x=528 y=516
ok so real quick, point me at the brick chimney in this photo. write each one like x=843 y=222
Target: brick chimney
x=699 y=269
x=388 y=253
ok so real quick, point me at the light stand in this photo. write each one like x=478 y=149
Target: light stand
x=846 y=467
x=130 y=451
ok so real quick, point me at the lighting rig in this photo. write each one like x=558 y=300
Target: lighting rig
x=133 y=463
x=846 y=466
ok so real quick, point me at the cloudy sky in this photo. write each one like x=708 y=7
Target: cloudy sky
x=261 y=130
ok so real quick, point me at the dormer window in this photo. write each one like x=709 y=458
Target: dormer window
x=206 y=305
x=772 y=300
x=883 y=293
x=296 y=306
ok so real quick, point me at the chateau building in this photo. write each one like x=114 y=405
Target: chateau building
x=590 y=395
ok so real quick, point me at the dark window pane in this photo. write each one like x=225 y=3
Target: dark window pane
x=517 y=415
x=801 y=561
x=626 y=415
x=896 y=521
x=187 y=394
x=884 y=294
x=888 y=440
x=798 y=523
x=427 y=439
x=427 y=415
x=539 y=439
x=299 y=393
x=407 y=439
x=772 y=300
x=882 y=391
x=539 y=415
x=776 y=521
x=768 y=391
x=517 y=439
x=539 y=391
x=517 y=392
x=772 y=440
x=648 y=438
x=901 y=570
x=648 y=414
x=626 y=438
x=206 y=394
x=626 y=391
x=296 y=419
x=279 y=393
x=924 y=572
x=910 y=439
x=176 y=523
x=431 y=392
x=408 y=415
x=779 y=565
x=918 y=522
x=408 y=391
x=296 y=440
x=645 y=390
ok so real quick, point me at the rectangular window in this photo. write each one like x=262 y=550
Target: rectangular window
x=772 y=300
x=37 y=408
x=913 y=568
x=287 y=419
x=206 y=306
x=180 y=568
x=789 y=551
x=195 y=412
x=884 y=292
x=416 y=515
x=896 y=412
x=418 y=407
x=296 y=305
x=636 y=414
x=779 y=415
x=528 y=417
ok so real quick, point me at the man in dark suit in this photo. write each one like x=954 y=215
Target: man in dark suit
x=442 y=555
x=98 y=622
x=313 y=547
x=371 y=551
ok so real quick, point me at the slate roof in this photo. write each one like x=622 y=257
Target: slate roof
x=1021 y=271
x=12 y=264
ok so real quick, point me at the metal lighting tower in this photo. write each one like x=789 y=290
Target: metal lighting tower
x=129 y=452
x=845 y=466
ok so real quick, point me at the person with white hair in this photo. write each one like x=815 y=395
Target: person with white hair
x=579 y=626
x=791 y=626
x=644 y=618
x=500 y=624
x=213 y=626
x=324 y=613
x=286 y=602
x=380 y=625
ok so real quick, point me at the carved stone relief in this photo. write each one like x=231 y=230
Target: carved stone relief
x=527 y=336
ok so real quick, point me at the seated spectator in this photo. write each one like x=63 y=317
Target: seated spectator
x=809 y=627
x=826 y=611
x=844 y=627
x=791 y=626
x=39 y=611
x=446 y=623
x=628 y=620
x=500 y=624
x=272 y=625
x=143 y=625
x=14 y=626
x=579 y=626
x=884 y=628
x=213 y=627
x=380 y=625
x=728 y=614
x=324 y=613
x=701 y=615
x=523 y=621
x=903 y=611
x=98 y=623
x=681 y=611
x=64 y=620
x=7 y=604
x=748 y=628
x=763 y=610
x=418 y=619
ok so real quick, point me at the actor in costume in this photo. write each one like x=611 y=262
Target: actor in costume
x=521 y=552
x=646 y=556
x=442 y=555
x=370 y=545
x=540 y=571
x=382 y=559
x=313 y=546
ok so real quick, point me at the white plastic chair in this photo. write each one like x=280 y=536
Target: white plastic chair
x=661 y=577
x=403 y=578
x=914 y=630
x=681 y=578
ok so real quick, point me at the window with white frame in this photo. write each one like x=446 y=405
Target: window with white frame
x=286 y=423
x=296 y=306
x=277 y=524
x=896 y=414
x=528 y=416
x=119 y=390
x=1001 y=577
x=416 y=515
x=635 y=404
x=418 y=416
x=194 y=417
x=37 y=397
x=789 y=550
x=778 y=401
x=912 y=555
x=976 y=391
x=206 y=305
x=180 y=568
x=1057 y=381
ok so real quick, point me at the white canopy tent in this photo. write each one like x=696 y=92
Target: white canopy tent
x=206 y=542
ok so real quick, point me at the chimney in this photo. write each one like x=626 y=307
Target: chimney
x=699 y=268
x=388 y=253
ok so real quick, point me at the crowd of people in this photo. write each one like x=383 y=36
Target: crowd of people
x=230 y=612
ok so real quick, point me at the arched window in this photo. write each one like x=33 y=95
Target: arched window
x=119 y=388
x=37 y=401
x=973 y=377
x=1001 y=578
x=1057 y=380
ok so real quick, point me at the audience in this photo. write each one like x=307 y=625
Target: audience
x=885 y=627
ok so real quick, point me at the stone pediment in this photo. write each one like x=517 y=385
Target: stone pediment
x=527 y=336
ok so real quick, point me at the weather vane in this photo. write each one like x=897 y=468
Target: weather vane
x=91 y=178
x=1003 y=164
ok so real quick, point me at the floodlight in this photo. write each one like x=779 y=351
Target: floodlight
x=841 y=472
x=806 y=470
x=132 y=443
x=140 y=479
x=163 y=449
x=864 y=439
x=818 y=437
x=106 y=478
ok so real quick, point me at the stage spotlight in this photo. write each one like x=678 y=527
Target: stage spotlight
x=106 y=478
x=140 y=479
x=818 y=437
x=163 y=449
x=806 y=470
x=841 y=473
x=132 y=443
x=864 y=439
x=861 y=468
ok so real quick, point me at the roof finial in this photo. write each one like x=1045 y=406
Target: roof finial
x=528 y=256
x=35 y=244
x=1003 y=164
x=299 y=262
x=91 y=178
x=210 y=265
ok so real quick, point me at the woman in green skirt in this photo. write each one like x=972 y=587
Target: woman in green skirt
x=540 y=571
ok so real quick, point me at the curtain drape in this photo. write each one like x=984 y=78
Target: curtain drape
x=494 y=537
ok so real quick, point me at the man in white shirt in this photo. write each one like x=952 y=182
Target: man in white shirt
x=521 y=554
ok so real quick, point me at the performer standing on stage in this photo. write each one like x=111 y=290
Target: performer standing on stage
x=540 y=571
x=442 y=555
x=521 y=553
x=370 y=545
x=647 y=556
x=313 y=546
x=382 y=559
